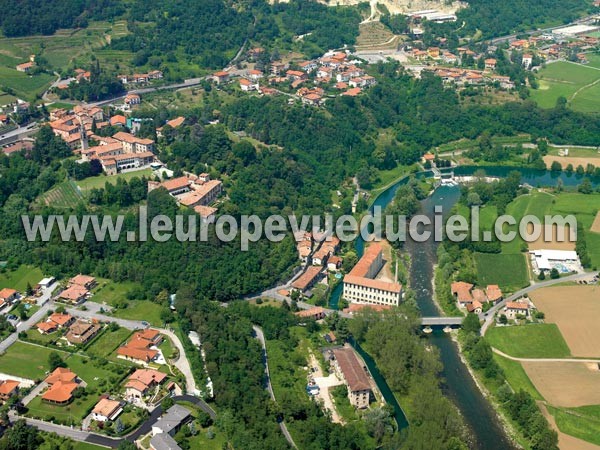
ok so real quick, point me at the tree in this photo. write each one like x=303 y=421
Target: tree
x=586 y=186
x=471 y=323
x=55 y=361
x=119 y=427
x=556 y=167
x=554 y=273
x=167 y=403
x=503 y=319
x=126 y=445
x=541 y=276
x=20 y=437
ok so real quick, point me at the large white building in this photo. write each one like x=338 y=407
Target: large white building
x=563 y=260
x=361 y=287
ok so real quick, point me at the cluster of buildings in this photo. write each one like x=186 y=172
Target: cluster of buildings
x=141 y=347
x=333 y=69
x=472 y=299
x=565 y=261
x=76 y=331
x=360 y=285
x=193 y=191
x=168 y=426
x=78 y=289
x=471 y=77
x=62 y=382
x=141 y=78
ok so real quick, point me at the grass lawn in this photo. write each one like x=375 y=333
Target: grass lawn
x=167 y=348
x=509 y=271
x=100 y=180
x=72 y=413
x=582 y=422
x=108 y=342
x=516 y=376
x=18 y=279
x=26 y=360
x=575 y=152
x=141 y=310
x=529 y=341
x=110 y=292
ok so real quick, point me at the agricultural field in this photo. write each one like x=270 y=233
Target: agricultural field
x=578 y=83
x=529 y=341
x=516 y=376
x=509 y=271
x=18 y=279
x=582 y=422
x=575 y=152
x=565 y=384
x=575 y=311
x=575 y=161
x=65 y=195
x=26 y=87
x=376 y=36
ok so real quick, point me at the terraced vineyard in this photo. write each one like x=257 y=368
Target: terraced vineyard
x=375 y=36
x=65 y=195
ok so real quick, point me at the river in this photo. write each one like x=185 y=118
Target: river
x=457 y=383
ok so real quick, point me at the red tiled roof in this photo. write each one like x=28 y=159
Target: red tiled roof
x=352 y=369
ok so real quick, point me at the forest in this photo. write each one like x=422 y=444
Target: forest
x=28 y=17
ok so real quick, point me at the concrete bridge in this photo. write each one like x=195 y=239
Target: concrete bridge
x=441 y=321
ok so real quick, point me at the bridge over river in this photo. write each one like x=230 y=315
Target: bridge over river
x=441 y=321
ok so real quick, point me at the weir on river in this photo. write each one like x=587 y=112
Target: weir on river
x=457 y=382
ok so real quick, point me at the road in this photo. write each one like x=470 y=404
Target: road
x=18 y=133
x=106 y=441
x=513 y=358
x=261 y=337
x=489 y=315
x=35 y=318
x=182 y=363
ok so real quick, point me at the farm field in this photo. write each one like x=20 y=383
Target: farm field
x=18 y=279
x=24 y=86
x=564 y=243
x=516 y=376
x=100 y=180
x=509 y=271
x=573 y=81
x=565 y=384
x=575 y=311
x=529 y=341
x=575 y=152
x=64 y=195
x=582 y=422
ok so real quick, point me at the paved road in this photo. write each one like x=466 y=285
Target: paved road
x=489 y=316
x=18 y=133
x=514 y=358
x=35 y=318
x=261 y=337
x=182 y=363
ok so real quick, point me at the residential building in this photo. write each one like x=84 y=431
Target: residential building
x=8 y=389
x=133 y=144
x=307 y=279
x=62 y=383
x=351 y=370
x=490 y=63
x=220 y=77
x=85 y=281
x=315 y=313
x=513 y=309
x=493 y=293
x=475 y=307
x=74 y=294
x=355 y=307
x=25 y=67
x=106 y=410
x=139 y=348
x=462 y=293
x=132 y=99
x=360 y=285
x=54 y=322
x=163 y=441
x=142 y=381
x=334 y=263
x=82 y=331
x=176 y=186
x=172 y=421
x=8 y=295
x=247 y=85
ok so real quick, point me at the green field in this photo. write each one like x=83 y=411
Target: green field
x=115 y=294
x=529 y=341
x=108 y=342
x=573 y=81
x=18 y=279
x=65 y=195
x=509 y=271
x=575 y=152
x=582 y=422
x=25 y=86
x=516 y=376
x=100 y=180
x=26 y=360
